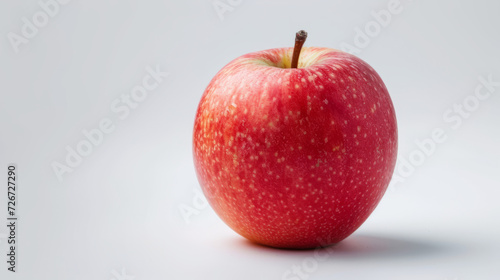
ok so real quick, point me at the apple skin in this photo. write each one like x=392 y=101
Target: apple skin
x=295 y=158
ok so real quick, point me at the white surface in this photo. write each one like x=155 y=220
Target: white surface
x=119 y=209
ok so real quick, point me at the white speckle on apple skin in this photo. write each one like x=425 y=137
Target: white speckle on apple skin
x=254 y=117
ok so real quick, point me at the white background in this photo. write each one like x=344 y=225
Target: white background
x=116 y=216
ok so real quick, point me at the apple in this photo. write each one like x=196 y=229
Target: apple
x=294 y=148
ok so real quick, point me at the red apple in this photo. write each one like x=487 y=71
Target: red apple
x=295 y=157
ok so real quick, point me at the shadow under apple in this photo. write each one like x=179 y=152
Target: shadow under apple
x=360 y=246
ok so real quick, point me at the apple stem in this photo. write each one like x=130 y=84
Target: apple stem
x=300 y=38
